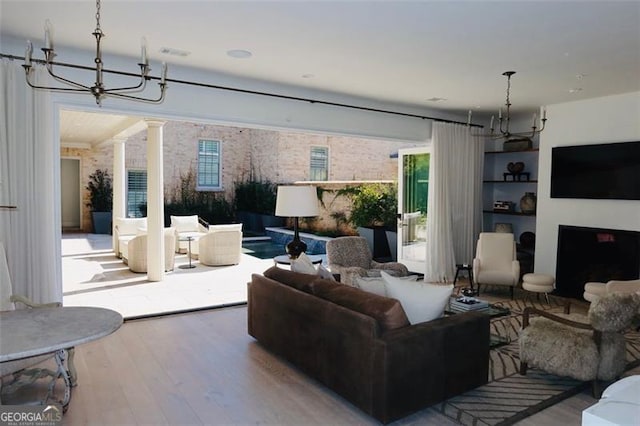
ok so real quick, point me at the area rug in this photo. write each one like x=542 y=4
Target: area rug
x=510 y=397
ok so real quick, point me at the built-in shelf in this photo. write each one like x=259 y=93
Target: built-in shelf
x=508 y=213
x=511 y=152
x=509 y=181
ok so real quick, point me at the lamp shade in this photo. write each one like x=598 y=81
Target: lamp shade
x=297 y=201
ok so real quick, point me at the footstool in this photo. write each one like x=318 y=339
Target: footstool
x=538 y=283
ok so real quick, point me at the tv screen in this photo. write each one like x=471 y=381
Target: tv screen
x=601 y=171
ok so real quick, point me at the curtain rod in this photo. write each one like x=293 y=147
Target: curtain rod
x=250 y=92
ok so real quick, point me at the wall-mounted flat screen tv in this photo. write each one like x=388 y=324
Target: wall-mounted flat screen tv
x=601 y=171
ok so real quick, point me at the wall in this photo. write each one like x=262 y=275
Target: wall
x=600 y=120
x=277 y=156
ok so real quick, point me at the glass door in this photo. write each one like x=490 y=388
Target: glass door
x=413 y=190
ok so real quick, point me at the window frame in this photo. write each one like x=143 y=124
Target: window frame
x=327 y=163
x=146 y=175
x=209 y=188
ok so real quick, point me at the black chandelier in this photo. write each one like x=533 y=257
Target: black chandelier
x=98 y=89
x=504 y=132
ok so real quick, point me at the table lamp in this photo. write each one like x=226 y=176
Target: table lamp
x=296 y=201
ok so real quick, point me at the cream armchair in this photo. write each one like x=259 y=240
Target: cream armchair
x=351 y=257
x=222 y=245
x=495 y=262
x=187 y=226
x=594 y=290
x=126 y=229
x=137 y=252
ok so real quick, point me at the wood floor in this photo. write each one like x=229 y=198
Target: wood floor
x=203 y=368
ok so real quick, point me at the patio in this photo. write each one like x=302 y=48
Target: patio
x=93 y=276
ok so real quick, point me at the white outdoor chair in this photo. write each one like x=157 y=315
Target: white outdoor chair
x=136 y=252
x=222 y=245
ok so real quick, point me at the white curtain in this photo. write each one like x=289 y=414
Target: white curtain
x=28 y=175
x=454 y=209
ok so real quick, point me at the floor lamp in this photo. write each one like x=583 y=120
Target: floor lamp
x=296 y=202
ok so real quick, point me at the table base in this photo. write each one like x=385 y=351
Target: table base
x=29 y=376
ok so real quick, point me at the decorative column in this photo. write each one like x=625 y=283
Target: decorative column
x=155 y=201
x=119 y=184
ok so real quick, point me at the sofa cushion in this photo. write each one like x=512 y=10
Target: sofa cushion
x=422 y=302
x=292 y=279
x=387 y=312
x=129 y=226
x=185 y=223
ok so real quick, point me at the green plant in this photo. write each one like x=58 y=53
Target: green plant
x=100 y=191
x=256 y=196
x=373 y=204
x=184 y=199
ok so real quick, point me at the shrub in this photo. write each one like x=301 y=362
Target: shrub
x=256 y=196
x=373 y=204
x=100 y=191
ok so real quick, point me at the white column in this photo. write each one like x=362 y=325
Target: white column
x=155 y=201
x=119 y=184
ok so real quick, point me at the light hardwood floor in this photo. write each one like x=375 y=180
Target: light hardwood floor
x=203 y=368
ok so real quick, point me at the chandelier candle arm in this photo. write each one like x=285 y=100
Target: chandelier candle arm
x=98 y=90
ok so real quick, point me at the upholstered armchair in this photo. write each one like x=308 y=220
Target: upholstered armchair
x=588 y=348
x=495 y=262
x=351 y=257
x=222 y=245
x=125 y=230
x=595 y=290
x=187 y=226
x=137 y=252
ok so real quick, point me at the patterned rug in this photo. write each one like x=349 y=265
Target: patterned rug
x=510 y=397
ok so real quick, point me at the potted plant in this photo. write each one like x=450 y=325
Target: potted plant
x=373 y=210
x=100 y=201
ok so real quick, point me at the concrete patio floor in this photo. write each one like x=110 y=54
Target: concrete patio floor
x=93 y=276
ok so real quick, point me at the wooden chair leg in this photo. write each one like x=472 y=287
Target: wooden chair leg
x=511 y=292
x=546 y=296
x=523 y=368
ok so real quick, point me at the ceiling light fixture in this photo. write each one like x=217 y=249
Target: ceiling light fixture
x=239 y=54
x=97 y=90
x=503 y=122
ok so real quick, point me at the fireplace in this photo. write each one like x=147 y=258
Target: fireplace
x=594 y=254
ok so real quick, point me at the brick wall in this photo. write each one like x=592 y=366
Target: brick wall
x=281 y=157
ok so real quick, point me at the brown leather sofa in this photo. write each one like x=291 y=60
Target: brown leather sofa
x=361 y=345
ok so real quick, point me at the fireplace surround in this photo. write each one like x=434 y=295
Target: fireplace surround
x=594 y=254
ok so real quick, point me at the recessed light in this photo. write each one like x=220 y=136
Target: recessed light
x=239 y=54
x=174 y=52
x=575 y=90
x=436 y=99
x=308 y=75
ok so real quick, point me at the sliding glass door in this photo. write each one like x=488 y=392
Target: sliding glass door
x=413 y=190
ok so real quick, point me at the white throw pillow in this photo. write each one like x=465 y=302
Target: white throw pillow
x=325 y=273
x=376 y=285
x=185 y=223
x=421 y=302
x=303 y=265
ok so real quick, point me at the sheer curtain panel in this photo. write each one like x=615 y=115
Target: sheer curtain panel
x=28 y=180
x=454 y=217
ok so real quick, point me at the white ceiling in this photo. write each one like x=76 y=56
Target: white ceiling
x=400 y=52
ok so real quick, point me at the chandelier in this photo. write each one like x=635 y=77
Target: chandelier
x=98 y=90
x=504 y=130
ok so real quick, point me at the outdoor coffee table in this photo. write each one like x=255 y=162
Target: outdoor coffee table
x=190 y=265
x=28 y=333
x=284 y=259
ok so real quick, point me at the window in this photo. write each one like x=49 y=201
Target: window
x=209 y=165
x=319 y=163
x=136 y=192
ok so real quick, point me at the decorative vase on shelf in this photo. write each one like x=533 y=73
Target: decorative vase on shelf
x=528 y=203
